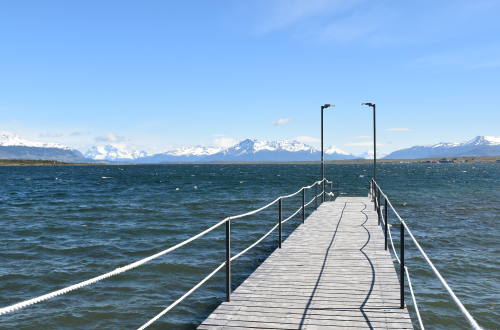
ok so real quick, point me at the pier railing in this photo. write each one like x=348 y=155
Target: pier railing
x=318 y=185
x=382 y=212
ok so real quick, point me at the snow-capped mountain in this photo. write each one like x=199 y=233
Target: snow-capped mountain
x=14 y=140
x=113 y=153
x=183 y=154
x=369 y=154
x=334 y=153
x=479 y=146
x=286 y=150
x=13 y=146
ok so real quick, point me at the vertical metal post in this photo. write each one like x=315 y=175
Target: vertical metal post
x=322 y=160
x=375 y=196
x=316 y=196
x=379 y=210
x=370 y=193
x=374 y=146
x=228 y=260
x=280 y=224
x=338 y=188
x=386 y=223
x=303 y=205
x=402 y=266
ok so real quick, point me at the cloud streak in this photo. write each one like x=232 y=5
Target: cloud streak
x=399 y=129
x=362 y=144
x=110 y=137
x=281 y=121
x=306 y=139
x=224 y=142
x=49 y=134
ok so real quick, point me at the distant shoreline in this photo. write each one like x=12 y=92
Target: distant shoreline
x=462 y=160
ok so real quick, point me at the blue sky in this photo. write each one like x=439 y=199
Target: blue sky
x=156 y=75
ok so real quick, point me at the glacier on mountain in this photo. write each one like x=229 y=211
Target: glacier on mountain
x=369 y=154
x=111 y=152
x=478 y=146
x=14 y=140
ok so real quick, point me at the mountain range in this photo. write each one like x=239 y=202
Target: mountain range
x=15 y=147
x=478 y=146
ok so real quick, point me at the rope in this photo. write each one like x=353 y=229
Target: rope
x=99 y=278
x=392 y=244
x=312 y=200
x=464 y=311
x=182 y=298
x=251 y=246
x=390 y=237
x=414 y=301
x=138 y=263
x=293 y=193
x=300 y=209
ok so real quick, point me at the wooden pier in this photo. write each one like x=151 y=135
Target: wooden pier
x=331 y=273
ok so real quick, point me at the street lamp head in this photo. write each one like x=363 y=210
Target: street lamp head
x=368 y=104
x=328 y=105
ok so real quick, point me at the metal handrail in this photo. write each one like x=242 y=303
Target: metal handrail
x=227 y=263
x=375 y=193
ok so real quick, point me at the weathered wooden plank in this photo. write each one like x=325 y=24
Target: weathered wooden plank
x=331 y=273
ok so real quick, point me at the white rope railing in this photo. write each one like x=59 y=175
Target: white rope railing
x=390 y=237
x=464 y=311
x=254 y=244
x=182 y=298
x=413 y=297
x=99 y=278
x=138 y=263
x=297 y=212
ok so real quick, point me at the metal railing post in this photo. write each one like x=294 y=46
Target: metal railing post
x=228 y=260
x=323 y=190
x=370 y=192
x=386 y=223
x=303 y=205
x=378 y=204
x=402 y=266
x=280 y=218
x=316 y=196
x=338 y=188
x=375 y=197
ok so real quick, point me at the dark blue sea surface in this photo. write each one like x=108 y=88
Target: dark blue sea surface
x=61 y=225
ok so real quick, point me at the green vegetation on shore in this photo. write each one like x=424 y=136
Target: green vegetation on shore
x=17 y=162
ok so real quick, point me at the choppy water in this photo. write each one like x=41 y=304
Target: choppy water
x=62 y=225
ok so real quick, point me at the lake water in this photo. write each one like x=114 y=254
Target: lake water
x=65 y=224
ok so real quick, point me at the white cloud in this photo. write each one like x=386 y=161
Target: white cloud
x=400 y=129
x=282 y=121
x=276 y=15
x=306 y=139
x=110 y=137
x=49 y=134
x=224 y=142
x=363 y=137
x=362 y=144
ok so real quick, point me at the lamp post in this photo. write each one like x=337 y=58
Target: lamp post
x=322 y=158
x=374 y=142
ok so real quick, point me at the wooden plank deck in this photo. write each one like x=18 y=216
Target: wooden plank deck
x=331 y=273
